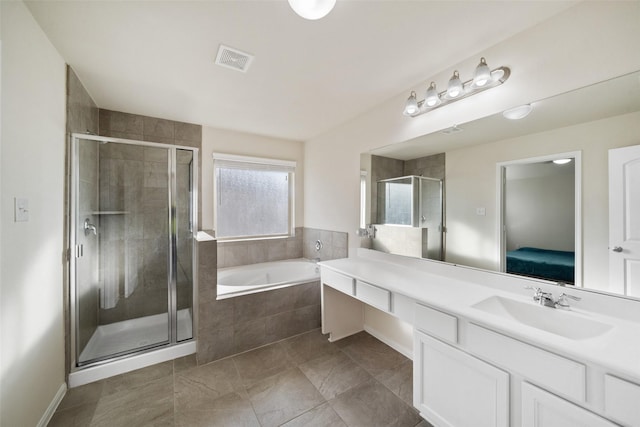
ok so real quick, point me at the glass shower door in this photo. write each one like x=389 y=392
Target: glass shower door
x=122 y=239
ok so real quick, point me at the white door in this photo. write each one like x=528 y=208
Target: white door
x=624 y=220
x=543 y=409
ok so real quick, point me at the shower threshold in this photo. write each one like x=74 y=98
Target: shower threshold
x=129 y=335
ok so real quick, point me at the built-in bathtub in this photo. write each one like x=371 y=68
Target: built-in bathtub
x=248 y=279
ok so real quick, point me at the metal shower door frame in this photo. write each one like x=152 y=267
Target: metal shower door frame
x=74 y=249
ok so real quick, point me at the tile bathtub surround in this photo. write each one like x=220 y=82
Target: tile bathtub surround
x=301 y=381
x=233 y=254
x=234 y=325
x=302 y=245
x=334 y=244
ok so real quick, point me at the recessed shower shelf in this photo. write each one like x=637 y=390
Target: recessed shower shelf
x=108 y=213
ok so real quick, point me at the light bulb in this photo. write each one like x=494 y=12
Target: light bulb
x=432 y=98
x=312 y=9
x=482 y=75
x=455 y=86
x=411 y=107
x=561 y=161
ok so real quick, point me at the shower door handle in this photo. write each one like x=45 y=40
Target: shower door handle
x=90 y=228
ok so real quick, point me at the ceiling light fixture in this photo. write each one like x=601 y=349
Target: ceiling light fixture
x=312 y=9
x=517 y=113
x=484 y=78
x=562 y=161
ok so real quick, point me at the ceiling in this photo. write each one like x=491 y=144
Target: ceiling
x=156 y=58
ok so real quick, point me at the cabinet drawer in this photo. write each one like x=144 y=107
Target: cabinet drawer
x=540 y=408
x=373 y=295
x=621 y=399
x=549 y=370
x=338 y=281
x=436 y=323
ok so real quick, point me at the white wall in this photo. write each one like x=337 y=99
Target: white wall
x=230 y=142
x=587 y=43
x=33 y=140
x=540 y=210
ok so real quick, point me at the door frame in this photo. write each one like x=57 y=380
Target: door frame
x=500 y=208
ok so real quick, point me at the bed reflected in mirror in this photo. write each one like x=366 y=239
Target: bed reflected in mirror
x=539 y=218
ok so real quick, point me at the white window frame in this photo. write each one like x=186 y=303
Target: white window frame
x=255 y=163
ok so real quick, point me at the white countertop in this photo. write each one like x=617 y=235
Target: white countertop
x=617 y=350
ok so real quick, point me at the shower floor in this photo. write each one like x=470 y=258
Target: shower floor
x=131 y=334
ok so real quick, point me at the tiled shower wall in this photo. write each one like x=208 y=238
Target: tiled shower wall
x=238 y=324
x=133 y=245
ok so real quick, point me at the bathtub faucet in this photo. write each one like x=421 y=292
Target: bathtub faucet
x=316 y=260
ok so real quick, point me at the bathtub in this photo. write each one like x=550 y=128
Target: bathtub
x=247 y=279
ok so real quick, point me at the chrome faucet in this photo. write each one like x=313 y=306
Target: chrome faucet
x=546 y=299
x=543 y=298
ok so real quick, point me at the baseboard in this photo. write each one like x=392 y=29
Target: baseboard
x=48 y=414
x=407 y=352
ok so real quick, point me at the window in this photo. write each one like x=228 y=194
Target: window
x=254 y=197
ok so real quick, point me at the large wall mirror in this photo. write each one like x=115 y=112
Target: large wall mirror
x=561 y=209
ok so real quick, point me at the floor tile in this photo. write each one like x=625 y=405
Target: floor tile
x=333 y=374
x=89 y=393
x=256 y=365
x=149 y=404
x=373 y=355
x=195 y=387
x=283 y=397
x=78 y=416
x=305 y=347
x=400 y=381
x=232 y=409
x=137 y=378
x=320 y=416
x=371 y=404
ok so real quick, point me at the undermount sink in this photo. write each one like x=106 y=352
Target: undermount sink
x=559 y=322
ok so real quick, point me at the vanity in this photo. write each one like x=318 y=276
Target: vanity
x=485 y=353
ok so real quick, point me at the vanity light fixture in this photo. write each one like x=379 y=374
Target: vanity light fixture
x=517 y=113
x=312 y=9
x=562 y=161
x=411 y=107
x=484 y=78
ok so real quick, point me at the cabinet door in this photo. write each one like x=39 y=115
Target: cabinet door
x=543 y=409
x=452 y=388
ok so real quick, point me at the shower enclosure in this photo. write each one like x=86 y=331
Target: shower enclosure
x=414 y=201
x=133 y=219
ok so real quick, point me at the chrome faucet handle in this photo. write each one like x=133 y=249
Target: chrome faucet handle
x=562 y=302
x=537 y=294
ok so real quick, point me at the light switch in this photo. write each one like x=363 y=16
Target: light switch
x=481 y=211
x=21 y=209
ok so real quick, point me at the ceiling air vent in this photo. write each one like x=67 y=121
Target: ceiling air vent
x=233 y=58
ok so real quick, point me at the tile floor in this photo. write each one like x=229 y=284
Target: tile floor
x=301 y=381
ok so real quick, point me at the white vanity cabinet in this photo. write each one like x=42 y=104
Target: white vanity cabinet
x=469 y=370
x=452 y=388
